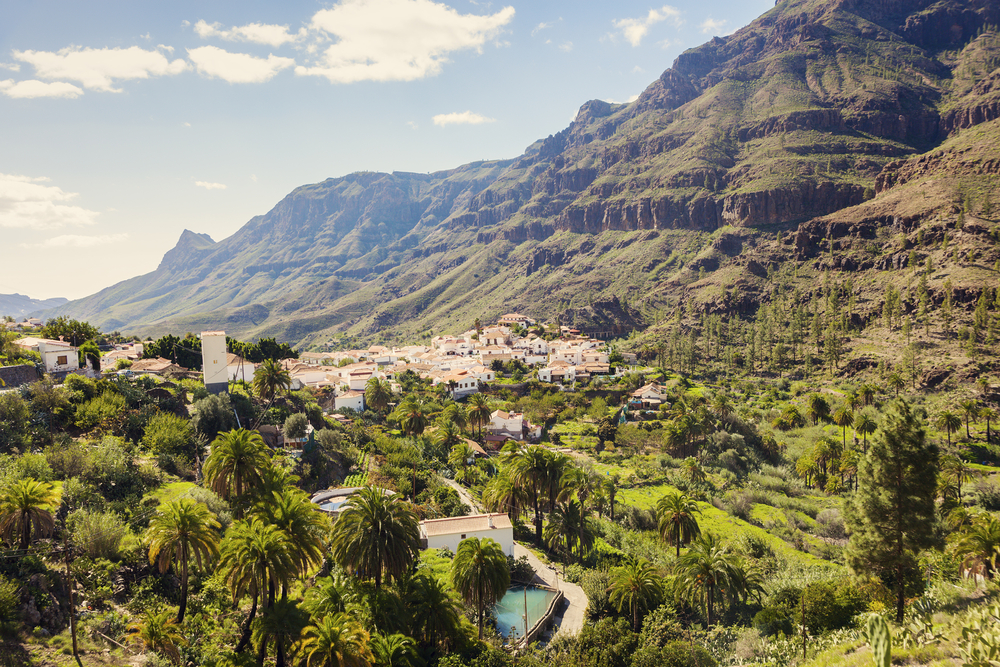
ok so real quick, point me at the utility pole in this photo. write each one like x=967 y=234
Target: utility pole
x=69 y=586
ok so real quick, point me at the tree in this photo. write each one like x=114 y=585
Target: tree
x=394 y=651
x=710 y=572
x=335 y=641
x=283 y=623
x=90 y=352
x=377 y=394
x=988 y=415
x=502 y=494
x=375 y=533
x=296 y=426
x=455 y=414
x=26 y=509
x=255 y=559
x=434 y=611
x=158 y=632
x=892 y=516
x=635 y=585
x=530 y=470
x=843 y=417
x=74 y=332
x=480 y=574
x=479 y=412
x=896 y=382
x=865 y=424
x=817 y=408
x=179 y=530
x=982 y=544
x=970 y=408
x=300 y=521
x=571 y=523
x=461 y=456
x=677 y=522
x=949 y=422
x=955 y=473
x=237 y=463
x=411 y=417
x=270 y=379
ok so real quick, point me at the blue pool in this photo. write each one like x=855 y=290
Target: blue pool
x=510 y=610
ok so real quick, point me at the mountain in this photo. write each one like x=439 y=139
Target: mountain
x=19 y=305
x=817 y=136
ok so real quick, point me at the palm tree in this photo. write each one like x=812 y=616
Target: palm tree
x=982 y=543
x=896 y=382
x=678 y=524
x=461 y=456
x=455 y=414
x=335 y=641
x=377 y=394
x=435 y=612
x=269 y=379
x=558 y=477
x=611 y=488
x=302 y=524
x=25 y=509
x=375 y=533
x=709 y=571
x=693 y=470
x=503 y=495
x=806 y=468
x=843 y=417
x=866 y=393
x=570 y=522
x=394 y=651
x=282 y=623
x=970 y=408
x=255 y=560
x=480 y=574
x=949 y=422
x=865 y=424
x=817 y=408
x=635 y=585
x=411 y=417
x=955 y=473
x=988 y=415
x=530 y=470
x=158 y=632
x=479 y=412
x=181 y=529
x=236 y=464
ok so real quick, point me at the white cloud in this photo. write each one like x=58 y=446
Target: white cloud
x=258 y=33
x=97 y=69
x=237 y=67
x=396 y=40
x=412 y=124
x=185 y=124
x=463 y=118
x=78 y=241
x=712 y=27
x=208 y=185
x=13 y=67
x=633 y=30
x=253 y=177
x=566 y=46
x=35 y=88
x=631 y=99
x=27 y=203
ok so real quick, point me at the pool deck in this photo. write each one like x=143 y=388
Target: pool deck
x=571 y=620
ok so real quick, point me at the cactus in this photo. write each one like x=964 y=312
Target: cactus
x=880 y=639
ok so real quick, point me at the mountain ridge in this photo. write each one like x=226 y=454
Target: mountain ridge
x=804 y=113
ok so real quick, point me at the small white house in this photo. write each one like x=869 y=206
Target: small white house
x=438 y=533
x=355 y=400
x=57 y=356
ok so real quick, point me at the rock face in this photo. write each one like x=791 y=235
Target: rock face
x=809 y=111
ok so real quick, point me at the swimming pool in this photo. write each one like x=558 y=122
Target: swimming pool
x=510 y=610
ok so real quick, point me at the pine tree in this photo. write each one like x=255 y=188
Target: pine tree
x=892 y=516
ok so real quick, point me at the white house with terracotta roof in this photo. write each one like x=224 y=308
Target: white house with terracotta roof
x=449 y=532
x=649 y=396
x=516 y=318
x=558 y=372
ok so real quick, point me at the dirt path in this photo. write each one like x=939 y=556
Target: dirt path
x=570 y=620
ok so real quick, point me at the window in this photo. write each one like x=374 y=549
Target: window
x=463 y=536
x=62 y=361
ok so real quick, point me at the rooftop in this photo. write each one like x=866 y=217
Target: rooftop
x=465 y=524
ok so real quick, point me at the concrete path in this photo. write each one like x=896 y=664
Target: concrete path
x=571 y=616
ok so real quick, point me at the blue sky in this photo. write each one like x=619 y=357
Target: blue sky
x=128 y=122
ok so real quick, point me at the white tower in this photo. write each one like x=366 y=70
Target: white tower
x=215 y=361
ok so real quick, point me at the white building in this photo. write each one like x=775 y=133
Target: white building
x=355 y=400
x=438 y=533
x=215 y=361
x=57 y=356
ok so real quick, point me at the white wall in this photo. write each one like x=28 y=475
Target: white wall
x=214 y=359
x=503 y=536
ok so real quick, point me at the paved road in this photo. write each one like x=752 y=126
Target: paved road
x=570 y=622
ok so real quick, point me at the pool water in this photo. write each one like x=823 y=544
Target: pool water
x=510 y=610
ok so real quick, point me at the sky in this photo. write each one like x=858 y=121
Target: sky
x=126 y=122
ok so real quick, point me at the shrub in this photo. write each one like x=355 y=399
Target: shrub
x=9 y=599
x=830 y=605
x=99 y=411
x=97 y=534
x=772 y=620
x=295 y=426
x=15 y=420
x=213 y=415
x=674 y=654
x=77 y=494
x=660 y=626
x=988 y=496
x=68 y=459
x=34 y=466
x=169 y=434
x=595 y=584
x=520 y=569
x=830 y=524
x=607 y=643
